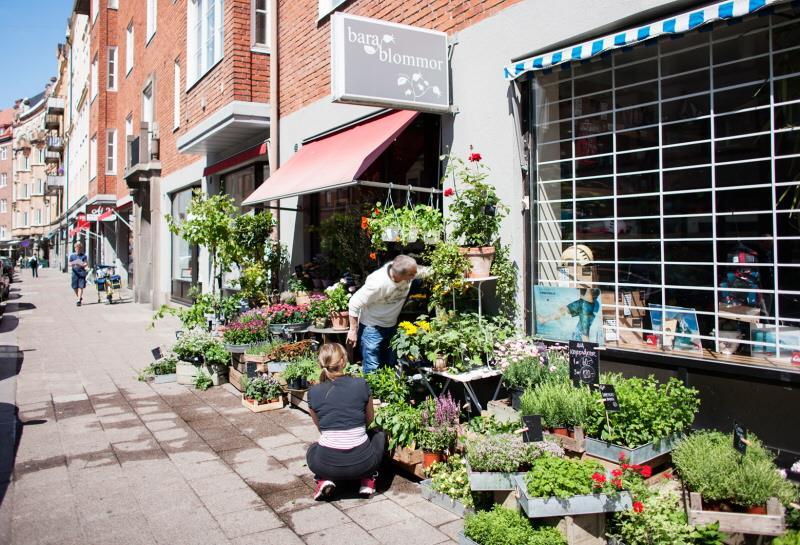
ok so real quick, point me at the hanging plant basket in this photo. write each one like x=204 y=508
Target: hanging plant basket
x=431 y=238
x=480 y=260
x=412 y=235
x=390 y=234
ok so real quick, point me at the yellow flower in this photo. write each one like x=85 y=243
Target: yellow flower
x=409 y=328
x=423 y=325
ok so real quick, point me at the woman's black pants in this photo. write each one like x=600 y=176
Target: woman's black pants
x=351 y=464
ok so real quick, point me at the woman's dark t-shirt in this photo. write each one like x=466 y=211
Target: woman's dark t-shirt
x=340 y=404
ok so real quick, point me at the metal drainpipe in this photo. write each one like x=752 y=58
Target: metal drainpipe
x=273 y=105
x=66 y=163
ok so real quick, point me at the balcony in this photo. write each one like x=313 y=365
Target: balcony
x=52 y=157
x=52 y=122
x=55 y=105
x=143 y=157
x=55 y=143
x=54 y=184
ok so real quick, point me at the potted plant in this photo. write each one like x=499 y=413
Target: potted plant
x=384 y=225
x=409 y=230
x=494 y=460
x=284 y=317
x=318 y=310
x=447 y=486
x=338 y=299
x=556 y=487
x=162 y=370
x=561 y=406
x=448 y=268
x=719 y=478
x=477 y=212
x=300 y=372
x=190 y=348
x=298 y=288
x=409 y=341
x=651 y=420
x=262 y=394
x=249 y=328
x=439 y=429
x=386 y=386
x=215 y=362
x=430 y=223
x=523 y=366
x=504 y=526
x=284 y=353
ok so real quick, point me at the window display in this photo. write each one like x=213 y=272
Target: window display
x=666 y=183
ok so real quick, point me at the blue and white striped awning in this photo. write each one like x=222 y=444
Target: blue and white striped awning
x=672 y=25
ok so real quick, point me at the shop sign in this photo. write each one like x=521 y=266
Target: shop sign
x=377 y=63
x=97 y=213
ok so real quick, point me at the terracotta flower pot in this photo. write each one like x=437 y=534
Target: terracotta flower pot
x=340 y=320
x=480 y=260
x=757 y=510
x=430 y=458
x=440 y=363
x=561 y=431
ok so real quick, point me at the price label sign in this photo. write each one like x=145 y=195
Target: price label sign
x=533 y=433
x=584 y=363
x=609 y=395
x=156 y=353
x=740 y=441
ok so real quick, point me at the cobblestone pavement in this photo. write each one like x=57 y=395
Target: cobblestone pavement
x=106 y=459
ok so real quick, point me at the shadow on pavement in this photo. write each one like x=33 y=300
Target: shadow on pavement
x=16 y=307
x=10 y=426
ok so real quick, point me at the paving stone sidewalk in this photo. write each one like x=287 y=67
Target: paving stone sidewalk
x=106 y=459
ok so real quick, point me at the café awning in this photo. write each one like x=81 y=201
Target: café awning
x=677 y=24
x=333 y=161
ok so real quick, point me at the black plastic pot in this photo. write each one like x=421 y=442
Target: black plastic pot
x=516 y=394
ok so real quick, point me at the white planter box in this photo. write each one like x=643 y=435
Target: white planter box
x=640 y=455
x=492 y=480
x=576 y=505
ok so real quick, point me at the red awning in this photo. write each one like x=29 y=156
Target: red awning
x=333 y=161
x=238 y=159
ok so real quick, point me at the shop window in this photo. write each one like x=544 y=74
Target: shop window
x=638 y=94
x=787 y=62
x=594 y=166
x=750 y=173
x=787 y=89
x=184 y=254
x=687 y=178
x=740 y=98
x=685 y=61
x=687 y=131
x=593 y=83
x=638 y=206
x=681 y=156
x=638 y=138
x=747 y=71
x=637 y=183
x=787 y=116
x=593 y=104
x=694 y=227
x=642 y=71
x=689 y=251
x=595 y=187
x=683 y=203
x=787 y=143
x=686 y=84
x=637 y=161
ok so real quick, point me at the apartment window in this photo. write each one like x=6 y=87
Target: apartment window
x=25 y=219
x=204 y=30
x=40 y=154
x=27 y=188
x=113 y=4
x=95 y=10
x=3 y=233
x=3 y=205
x=176 y=106
x=93 y=158
x=327 y=6
x=664 y=180
x=152 y=18
x=129 y=49
x=112 y=68
x=38 y=187
x=94 y=78
x=128 y=132
x=37 y=216
x=111 y=151
x=260 y=24
x=148 y=117
x=24 y=162
x=3 y=180
x=3 y=153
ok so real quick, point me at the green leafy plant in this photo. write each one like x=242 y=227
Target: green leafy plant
x=345 y=241
x=465 y=338
x=306 y=368
x=215 y=354
x=261 y=389
x=401 y=422
x=387 y=386
x=251 y=327
x=649 y=410
x=446 y=274
x=193 y=343
x=791 y=537
x=559 y=404
x=489 y=425
x=411 y=339
x=708 y=535
x=507 y=452
x=450 y=478
x=561 y=477
x=429 y=221
x=507 y=283
x=318 y=308
x=658 y=520
x=202 y=381
x=225 y=308
x=338 y=297
x=164 y=365
x=477 y=210
x=503 y=526
x=266 y=347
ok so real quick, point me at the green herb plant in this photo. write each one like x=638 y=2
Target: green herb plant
x=164 y=365
x=559 y=404
x=507 y=453
x=387 y=386
x=561 y=477
x=503 y=526
x=202 y=381
x=306 y=368
x=261 y=388
x=401 y=422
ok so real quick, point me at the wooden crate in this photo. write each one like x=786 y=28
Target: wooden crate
x=299 y=399
x=771 y=524
x=262 y=407
x=410 y=460
x=235 y=378
x=576 y=444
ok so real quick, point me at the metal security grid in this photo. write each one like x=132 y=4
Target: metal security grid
x=651 y=143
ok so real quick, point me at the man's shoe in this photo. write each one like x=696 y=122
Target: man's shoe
x=367 y=487
x=324 y=489
x=78 y=303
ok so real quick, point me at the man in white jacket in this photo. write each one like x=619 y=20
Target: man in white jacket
x=375 y=307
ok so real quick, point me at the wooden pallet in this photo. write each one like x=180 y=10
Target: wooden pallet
x=263 y=407
x=771 y=524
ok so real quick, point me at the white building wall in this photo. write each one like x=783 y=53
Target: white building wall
x=76 y=115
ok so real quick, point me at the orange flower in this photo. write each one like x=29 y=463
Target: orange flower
x=376 y=212
x=364 y=222
x=373 y=256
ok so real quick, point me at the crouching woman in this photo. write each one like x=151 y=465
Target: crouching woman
x=341 y=407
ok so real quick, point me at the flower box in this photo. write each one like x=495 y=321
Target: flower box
x=771 y=524
x=163 y=379
x=576 y=505
x=237 y=348
x=492 y=480
x=277 y=366
x=464 y=540
x=186 y=373
x=409 y=460
x=640 y=455
x=263 y=406
x=277 y=329
x=299 y=399
x=443 y=500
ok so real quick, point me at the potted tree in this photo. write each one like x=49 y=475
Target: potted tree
x=477 y=212
x=262 y=394
x=338 y=299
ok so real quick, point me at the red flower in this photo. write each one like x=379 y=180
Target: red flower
x=599 y=478
x=373 y=256
x=621 y=456
x=449 y=192
x=364 y=222
x=638 y=506
x=617 y=473
x=646 y=471
x=626 y=466
x=376 y=212
x=617 y=483
x=475 y=157
x=667 y=475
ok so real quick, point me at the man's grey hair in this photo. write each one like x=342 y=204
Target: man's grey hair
x=404 y=264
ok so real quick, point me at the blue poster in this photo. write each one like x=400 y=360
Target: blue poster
x=681 y=324
x=568 y=314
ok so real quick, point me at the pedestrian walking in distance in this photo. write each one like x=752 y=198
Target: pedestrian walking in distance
x=79 y=264
x=34 y=264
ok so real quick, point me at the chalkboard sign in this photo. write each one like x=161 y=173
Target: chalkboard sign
x=252 y=369
x=584 y=363
x=156 y=353
x=740 y=438
x=609 y=395
x=534 y=431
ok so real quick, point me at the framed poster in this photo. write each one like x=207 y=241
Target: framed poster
x=680 y=327
x=568 y=314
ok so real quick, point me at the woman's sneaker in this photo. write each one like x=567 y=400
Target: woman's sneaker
x=367 y=486
x=324 y=489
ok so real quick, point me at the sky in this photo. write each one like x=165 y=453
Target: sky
x=30 y=31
